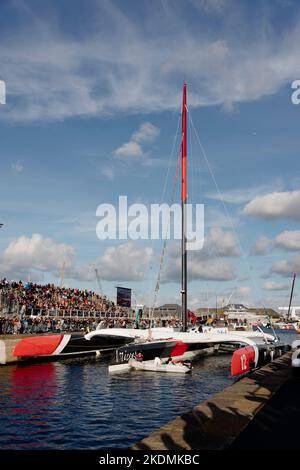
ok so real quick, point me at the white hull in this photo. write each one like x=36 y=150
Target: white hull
x=213 y=336
x=119 y=368
x=204 y=340
x=151 y=366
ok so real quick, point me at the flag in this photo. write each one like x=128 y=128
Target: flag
x=192 y=317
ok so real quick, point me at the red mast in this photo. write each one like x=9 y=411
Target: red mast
x=183 y=203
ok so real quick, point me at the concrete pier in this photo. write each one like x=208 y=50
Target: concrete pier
x=231 y=418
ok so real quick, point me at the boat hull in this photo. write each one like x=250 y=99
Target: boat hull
x=150 y=366
x=55 y=347
x=248 y=358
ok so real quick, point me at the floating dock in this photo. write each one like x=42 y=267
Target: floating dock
x=252 y=413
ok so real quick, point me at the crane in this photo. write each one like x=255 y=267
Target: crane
x=62 y=274
x=229 y=298
x=98 y=281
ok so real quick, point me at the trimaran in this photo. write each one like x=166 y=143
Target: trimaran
x=161 y=342
x=156 y=341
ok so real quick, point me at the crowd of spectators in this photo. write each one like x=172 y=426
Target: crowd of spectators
x=34 y=308
x=29 y=298
x=28 y=324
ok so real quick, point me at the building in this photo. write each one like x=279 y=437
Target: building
x=237 y=312
x=167 y=311
x=294 y=312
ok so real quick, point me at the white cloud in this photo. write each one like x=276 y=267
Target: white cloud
x=36 y=253
x=108 y=172
x=215 y=269
x=17 y=166
x=217 y=217
x=208 y=263
x=116 y=65
x=243 y=195
x=275 y=286
x=220 y=243
x=241 y=293
x=237 y=294
x=147 y=132
x=125 y=262
x=289 y=240
x=287 y=267
x=277 y=205
x=121 y=263
x=130 y=149
x=262 y=247
x=211 y=6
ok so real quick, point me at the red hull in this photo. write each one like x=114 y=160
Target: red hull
x=242 y=361
x=37 y=346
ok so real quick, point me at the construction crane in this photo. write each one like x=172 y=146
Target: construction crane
x=229 y=298
x=98 y=281
x=291 y=296
x=62 y=275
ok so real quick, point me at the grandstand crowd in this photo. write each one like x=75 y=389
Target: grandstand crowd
x=30 y=298
x=34 y=308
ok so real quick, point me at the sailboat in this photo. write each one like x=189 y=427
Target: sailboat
x=159 y=340
x=155 y=342
x=162 y=343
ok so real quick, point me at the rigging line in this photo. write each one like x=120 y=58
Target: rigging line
x=170 y=159
x=191 y=166
x=197 y=167
x=171 y=156
x=244 y=256
x=224 y=207
x=157 y=286
x=173 y=195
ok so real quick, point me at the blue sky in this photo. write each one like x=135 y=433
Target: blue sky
x=84 y=79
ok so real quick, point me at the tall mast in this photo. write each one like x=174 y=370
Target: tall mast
x=183 y=205
x=291 y=296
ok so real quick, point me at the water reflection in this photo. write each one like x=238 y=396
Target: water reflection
x=78 y=405
x=35 y=382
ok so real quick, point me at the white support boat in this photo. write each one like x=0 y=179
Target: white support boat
x=158 y=366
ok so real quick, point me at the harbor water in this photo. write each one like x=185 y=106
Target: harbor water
x=76 y=404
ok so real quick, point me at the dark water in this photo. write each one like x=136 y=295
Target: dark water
x=76 y=404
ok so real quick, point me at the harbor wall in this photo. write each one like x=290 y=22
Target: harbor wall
x=216 y=423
